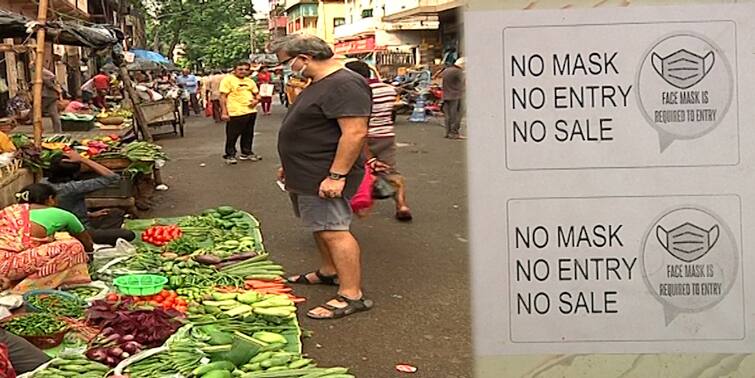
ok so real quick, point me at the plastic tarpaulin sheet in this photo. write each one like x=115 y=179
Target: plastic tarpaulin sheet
x=13 y=25
x=150 y=56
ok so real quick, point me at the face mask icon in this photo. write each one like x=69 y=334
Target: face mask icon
x=683 y=68
x=687 y=242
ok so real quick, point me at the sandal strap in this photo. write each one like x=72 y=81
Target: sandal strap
x=330 y=280
x=325 y=280
x=360 y=304
x=352 y=306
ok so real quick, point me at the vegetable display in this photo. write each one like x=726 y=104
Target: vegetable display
x=142 y=155
x=35 y=324
x=72 y=366
x=58 y=304
x=166 y=299
x=83 y=292
x=161 y=235
x=110 y=348
x=225 y=312
x=149 y=326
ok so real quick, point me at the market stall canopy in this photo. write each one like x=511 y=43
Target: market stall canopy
x=148 y=65
x=150 y=56
x=13 y=25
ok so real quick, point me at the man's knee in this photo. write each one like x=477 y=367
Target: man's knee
x=334 y=237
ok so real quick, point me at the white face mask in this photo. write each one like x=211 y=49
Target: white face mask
x=683 y=69
x=688 y=242
x=300 y=73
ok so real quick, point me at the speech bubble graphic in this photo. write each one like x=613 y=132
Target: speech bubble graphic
x=680 y=277
x=685 y=87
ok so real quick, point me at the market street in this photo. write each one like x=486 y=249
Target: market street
x=416 y=273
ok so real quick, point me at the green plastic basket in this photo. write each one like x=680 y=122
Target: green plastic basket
x=140 y=284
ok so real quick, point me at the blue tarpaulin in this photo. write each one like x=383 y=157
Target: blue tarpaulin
x=150 y=56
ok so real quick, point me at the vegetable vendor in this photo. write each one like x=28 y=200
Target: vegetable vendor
x=104 y=225
x=28 y=252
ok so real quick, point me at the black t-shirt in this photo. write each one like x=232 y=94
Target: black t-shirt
x=308 y=137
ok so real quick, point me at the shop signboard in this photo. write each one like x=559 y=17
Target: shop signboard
x=357 y=46
x=612 y=184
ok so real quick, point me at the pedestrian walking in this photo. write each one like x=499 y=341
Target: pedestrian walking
x=320 y=143
x=380 y=149
x=453 y=98
x=264 y=79
x=51 y=93
x=239 y=98
x=190 y=84
x=213 y=91
x=281 y=87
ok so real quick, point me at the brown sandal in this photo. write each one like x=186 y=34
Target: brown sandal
x=404 y=215
x=323 y=279
x=352 y=306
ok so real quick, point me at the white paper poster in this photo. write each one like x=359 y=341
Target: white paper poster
x=612 y=179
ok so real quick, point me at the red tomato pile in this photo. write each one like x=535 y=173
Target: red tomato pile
x=167 y=299
x=161 y=235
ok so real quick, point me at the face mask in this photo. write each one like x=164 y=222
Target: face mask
x=683 y=69
x=299 y=74
x=687 y=242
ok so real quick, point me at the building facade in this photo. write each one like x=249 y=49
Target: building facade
x=319 y=18
x=64 y=61
x=399 y=33
x=277 y=22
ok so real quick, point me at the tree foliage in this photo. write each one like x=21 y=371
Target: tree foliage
x=213 y=33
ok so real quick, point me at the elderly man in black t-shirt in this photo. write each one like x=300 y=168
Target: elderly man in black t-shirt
x=319 y=144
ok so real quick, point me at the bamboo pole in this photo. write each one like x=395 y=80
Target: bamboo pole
x=38 y=67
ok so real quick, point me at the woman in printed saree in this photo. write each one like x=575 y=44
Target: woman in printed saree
x=29 y=252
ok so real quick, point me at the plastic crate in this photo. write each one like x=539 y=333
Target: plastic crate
x=69 y=125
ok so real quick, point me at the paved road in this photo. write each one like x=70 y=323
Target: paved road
x=416 y=273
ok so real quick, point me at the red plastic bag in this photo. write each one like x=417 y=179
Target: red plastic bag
x=362 y=201
x=208 y=109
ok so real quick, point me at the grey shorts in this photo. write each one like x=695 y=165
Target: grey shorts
x=384 y=150
x=321 y=214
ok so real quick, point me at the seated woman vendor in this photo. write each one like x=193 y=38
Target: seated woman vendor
x=29 y=255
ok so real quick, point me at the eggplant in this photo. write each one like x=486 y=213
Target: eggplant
x=241 y=256
x=207 y=259
x=225 y=264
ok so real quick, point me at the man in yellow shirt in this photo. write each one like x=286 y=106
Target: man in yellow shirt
x=239 y=98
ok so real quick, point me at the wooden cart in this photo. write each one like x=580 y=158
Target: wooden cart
x=165 y=112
